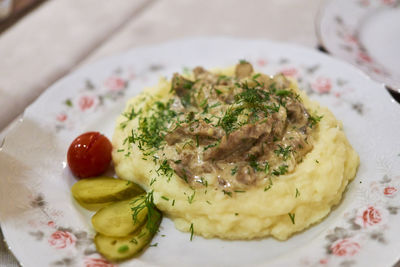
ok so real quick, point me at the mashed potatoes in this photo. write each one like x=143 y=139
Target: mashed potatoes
x=244 y=157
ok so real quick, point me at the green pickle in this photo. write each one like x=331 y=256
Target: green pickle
x=100 y=191
x=117 y=219
x=122 y=248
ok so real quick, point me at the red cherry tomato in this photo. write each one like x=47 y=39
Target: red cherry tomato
x=89 y=155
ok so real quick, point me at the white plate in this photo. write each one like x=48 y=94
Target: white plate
x=45 y=227
x=365 y=33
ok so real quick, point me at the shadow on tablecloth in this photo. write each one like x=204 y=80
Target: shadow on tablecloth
x=6 y=258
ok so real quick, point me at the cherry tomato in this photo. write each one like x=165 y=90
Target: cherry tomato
x=89 y=155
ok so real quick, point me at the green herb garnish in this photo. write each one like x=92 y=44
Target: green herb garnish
x=292 y=217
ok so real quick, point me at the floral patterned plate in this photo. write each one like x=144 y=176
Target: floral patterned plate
x=364 y=33
x=43 y=226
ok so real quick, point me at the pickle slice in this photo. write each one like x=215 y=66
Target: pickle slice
x=117 y=219
x=93 y=206
x=122 y=248
x=104 y=189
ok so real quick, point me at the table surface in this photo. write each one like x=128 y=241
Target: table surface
x=35 y=52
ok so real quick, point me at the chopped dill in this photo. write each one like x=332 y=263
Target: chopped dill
x=292 y=217
x=283 y=93
x=165 y=169
x=215 y=105
x=165 y=198
x=281 y=170
x=253 y=162
x=146 y=201
x=314 y=120
x=132 y=114
x=191 y=231
x=210 y=146
x=234 y=170
x=297 y=193
x=240 y=191
x=202 y=181
x=266 y=167
x=284 y=152
x=227 y=193
x=251 y=96
x=229 y=121
x=152 y=128
x=269 y=186
x=191 y=197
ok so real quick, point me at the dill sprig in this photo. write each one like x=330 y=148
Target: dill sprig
x=281 y=170
x=146 y=201
x=165 y=169
x=152 y=128
x=191 y=229
x=229 y=121
x=251 y=95
x=292 y=217
x=314 y=120
x=284 y=152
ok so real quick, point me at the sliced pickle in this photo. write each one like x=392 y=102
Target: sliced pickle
x=93 y=206
x=122 y=248
x=118 y=219
x=104 y=189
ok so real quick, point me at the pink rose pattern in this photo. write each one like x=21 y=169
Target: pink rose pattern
x=115 y=83
x=390 y=191
x=62 y=239
x=86 y=102
x=370 y=216
x=290 y=72
x=91 y=97
x=345 y=247
x=322 y=85
x=97 y=262
x=351 y=45
x=62 y=117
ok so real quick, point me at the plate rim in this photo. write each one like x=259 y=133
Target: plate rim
x=320 y=39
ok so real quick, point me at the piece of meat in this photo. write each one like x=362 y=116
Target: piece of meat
x=243 y=70
x=199 y=129
x=187 y=167
x=182 y=87
x=264 y=81
x=281 y=82
x=296 y=112
x=181 y=171
x=182 y=166
x=246 y=175
x=205 y=76
x=279 y=122
x=238 y=141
